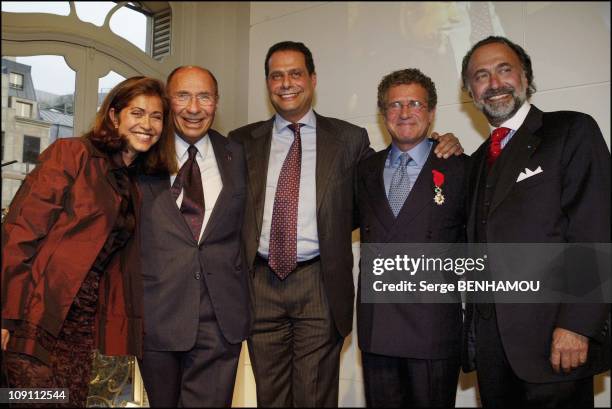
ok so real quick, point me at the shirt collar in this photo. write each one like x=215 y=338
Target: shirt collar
x=182 y=146
x=308 y=120
x=517 y=120
x=418 y=153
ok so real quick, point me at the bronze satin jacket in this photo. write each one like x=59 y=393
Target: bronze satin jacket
x=56 y=226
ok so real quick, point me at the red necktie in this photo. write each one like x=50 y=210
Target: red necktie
x=495 y=148
x=189 y=179
x=283 y=232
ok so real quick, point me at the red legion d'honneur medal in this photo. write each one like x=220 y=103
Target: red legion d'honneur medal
x=438 y=179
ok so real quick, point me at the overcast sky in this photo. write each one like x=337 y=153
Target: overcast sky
x=51 y=73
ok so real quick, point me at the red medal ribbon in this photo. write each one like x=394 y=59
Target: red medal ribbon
x=438 y=178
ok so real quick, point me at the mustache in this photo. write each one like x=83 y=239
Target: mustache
x=489 y=93
x=288 y=91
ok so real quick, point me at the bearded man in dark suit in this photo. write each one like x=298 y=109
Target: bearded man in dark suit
x=542 y=177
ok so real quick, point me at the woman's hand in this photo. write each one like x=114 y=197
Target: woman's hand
x=5 y=338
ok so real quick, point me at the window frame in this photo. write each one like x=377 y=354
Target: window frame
x=12 y=83
x=30 y=159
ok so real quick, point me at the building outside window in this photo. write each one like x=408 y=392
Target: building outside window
x=23 y=109
x=31 y=149
x=16 y=80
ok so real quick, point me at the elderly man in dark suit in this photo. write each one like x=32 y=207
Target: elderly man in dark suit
x=410 y=351
x=297 y=234
x=542 y=177
x=197 y=307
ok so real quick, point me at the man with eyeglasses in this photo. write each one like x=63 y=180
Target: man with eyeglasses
x=406 y=194
x=297 y=234
x=197 y=307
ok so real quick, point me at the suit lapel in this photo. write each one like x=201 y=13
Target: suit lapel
x=257 y=151
x=477 y=172
x=110 y=178
x=375 y=188
x=223 y=157
x=103 y=163
x=328 y=149
x=520 y=148
x=160 y=190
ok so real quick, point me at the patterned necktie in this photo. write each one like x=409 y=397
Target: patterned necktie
x=400 y=185
x=189 y=179
x=495 y=148
x=283 y=232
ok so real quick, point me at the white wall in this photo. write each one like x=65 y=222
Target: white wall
x=215 y=35
x=355 y=43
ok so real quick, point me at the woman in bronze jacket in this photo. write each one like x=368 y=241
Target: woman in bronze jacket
x=70 y=258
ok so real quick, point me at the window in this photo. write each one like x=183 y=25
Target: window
x=129 y=21
x=23 y=109
x=147 y=25
x=61 y=8
x=16 y=80
x=31 y=149
x=105 y=84
x=132 y=25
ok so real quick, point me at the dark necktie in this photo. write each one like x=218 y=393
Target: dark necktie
x=283 y=232
x=495 y=148
x=189 y=179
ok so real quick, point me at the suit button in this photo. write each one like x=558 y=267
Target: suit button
x=367 y=228
x=484 y=221
x=487 y=203
x=489 y=186
x=197 y=275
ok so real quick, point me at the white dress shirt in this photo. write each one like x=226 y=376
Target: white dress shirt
x=513 y=123
x=307 y=231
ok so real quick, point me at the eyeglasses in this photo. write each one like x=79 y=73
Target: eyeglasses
x=204 y=99
x=397 y=106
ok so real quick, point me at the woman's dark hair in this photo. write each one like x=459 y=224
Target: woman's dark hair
x=104 y=136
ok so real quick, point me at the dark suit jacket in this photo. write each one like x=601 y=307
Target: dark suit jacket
x=568 y=202
x=57 y=223
x=174 y=263
x=423 y=331
x=340 y=146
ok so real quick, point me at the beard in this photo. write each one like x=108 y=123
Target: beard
x=497 y=112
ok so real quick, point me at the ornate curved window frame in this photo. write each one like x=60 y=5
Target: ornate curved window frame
x=91 y=51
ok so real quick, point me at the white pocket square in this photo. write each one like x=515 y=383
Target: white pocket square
x=528 y=173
